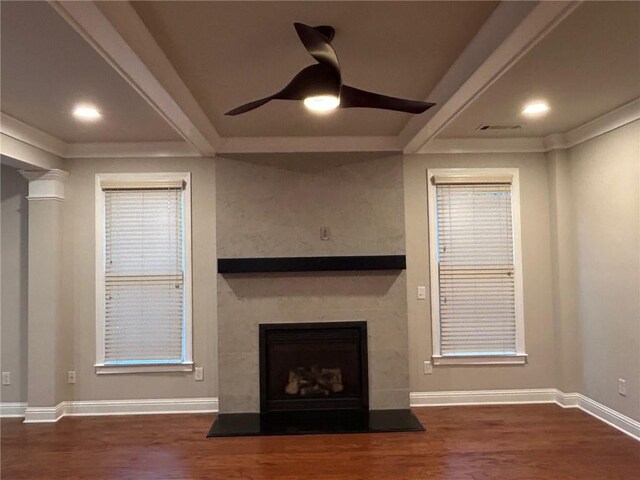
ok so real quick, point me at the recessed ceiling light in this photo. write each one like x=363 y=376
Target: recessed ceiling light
x=535 y=109
x=322 y=103
x=86 y=112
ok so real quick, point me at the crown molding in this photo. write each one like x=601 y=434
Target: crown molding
x=309 y=144
x=619 y=117
x=41 y=150
x=542 y=19
x=20 y=140
x=131 y=150
x=483 y=145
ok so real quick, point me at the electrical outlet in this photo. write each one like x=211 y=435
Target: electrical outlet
x=622 y=387
x=325 y=233
x=428 y=368
x=71 y=376
x=422 y=292
x=6 y=378
x=199 y=374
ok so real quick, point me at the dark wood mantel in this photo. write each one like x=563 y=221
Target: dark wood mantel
x=311 y=264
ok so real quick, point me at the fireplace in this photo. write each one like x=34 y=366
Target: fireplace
x=313 y=367
x=314 y=378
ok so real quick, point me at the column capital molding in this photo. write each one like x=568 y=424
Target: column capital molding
x=45 y=184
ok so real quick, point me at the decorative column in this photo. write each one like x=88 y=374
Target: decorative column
x=46 y=196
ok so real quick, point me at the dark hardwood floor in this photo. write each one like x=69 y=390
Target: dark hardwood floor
x=461 y=443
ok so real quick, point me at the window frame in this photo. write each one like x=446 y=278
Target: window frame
x=146 y=179
x=479 y=175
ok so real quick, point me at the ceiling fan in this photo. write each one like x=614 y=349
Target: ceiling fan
x=320 y=85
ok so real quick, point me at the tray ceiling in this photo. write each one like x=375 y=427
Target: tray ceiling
x=229 y=53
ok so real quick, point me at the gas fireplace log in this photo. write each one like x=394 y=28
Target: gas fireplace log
x=314 y=381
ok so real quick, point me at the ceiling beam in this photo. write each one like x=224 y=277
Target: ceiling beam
x=19 y=154
x=27 y=134
x=502 y=21
x=538 y=23
x=117 y=33
x=24 y=146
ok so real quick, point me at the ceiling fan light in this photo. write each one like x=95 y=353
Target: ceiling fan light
x=322 y=103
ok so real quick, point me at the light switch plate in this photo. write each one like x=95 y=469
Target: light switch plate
x=199 y=374
x=422 y=292
x=428 y=368
x=622 y=387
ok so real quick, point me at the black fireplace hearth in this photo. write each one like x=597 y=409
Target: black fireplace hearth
x=318 y=422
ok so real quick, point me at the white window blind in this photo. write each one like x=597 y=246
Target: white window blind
x=144 y=260
x=475 y=255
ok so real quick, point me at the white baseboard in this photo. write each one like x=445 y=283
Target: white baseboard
x=483 y=397
x=142 y=407
x=418 y=399
x=603 y=413
x=120 y=407
x=44 y=414
x=542 y=395
x=12 y=409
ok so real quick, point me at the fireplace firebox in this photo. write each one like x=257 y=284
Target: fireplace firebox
x=313 y=366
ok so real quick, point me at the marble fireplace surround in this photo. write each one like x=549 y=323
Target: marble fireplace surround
x=274 y=205
x=247 y=300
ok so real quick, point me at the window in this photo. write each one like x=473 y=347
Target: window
x=143 y=272
x=476 y=267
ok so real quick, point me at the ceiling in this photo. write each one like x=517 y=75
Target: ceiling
x=200 y=59
x=47 y=68
x=229 y=53
x=586 y=67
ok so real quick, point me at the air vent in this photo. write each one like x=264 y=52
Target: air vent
x=499 y=127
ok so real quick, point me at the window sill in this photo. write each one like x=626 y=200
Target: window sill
x=102 y=369
x=519 y=359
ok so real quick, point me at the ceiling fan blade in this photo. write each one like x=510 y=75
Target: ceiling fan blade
x=351 y=97
x=316 y=79
x=317 y=45
x=250 y=106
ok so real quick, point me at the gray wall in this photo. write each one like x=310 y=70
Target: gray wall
x=79 y=255
x=569 y=370
x=539 y=372
x=13 y=284
x=275 y=205
x=604 y=176
x=580 y=233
